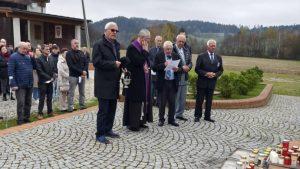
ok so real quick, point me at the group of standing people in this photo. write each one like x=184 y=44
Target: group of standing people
x=151 y=76
x=43 y=73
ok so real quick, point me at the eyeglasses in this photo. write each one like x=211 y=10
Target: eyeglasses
x=114 y=30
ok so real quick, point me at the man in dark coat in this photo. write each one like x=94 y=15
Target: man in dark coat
x=167 y=82
x=106 y=60
x=209 y=67
x=152 y=54
x=53 y=58
x=20 y=68
x=139 y=91
x=186 y=58
x=45 y=71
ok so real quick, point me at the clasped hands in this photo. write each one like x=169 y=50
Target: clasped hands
x=210 y=75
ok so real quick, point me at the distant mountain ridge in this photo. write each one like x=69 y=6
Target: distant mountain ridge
x=200 y=31
x=130 y=26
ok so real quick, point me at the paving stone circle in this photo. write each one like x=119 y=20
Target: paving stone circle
x=70 y=143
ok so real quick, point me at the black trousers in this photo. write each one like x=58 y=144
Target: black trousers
x=168 y=94
x=45 y=89
x=24 y=96
x=105 y=116
x=208 y=94
x=4 y=86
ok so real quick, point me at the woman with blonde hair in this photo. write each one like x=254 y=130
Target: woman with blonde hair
x=63 y=80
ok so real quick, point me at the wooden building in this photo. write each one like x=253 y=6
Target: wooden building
x=26 y=20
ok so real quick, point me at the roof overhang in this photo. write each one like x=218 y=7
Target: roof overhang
x=42 y=17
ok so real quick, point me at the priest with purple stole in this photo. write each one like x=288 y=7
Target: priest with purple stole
x=138 y=106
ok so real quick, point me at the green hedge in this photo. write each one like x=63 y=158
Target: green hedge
x=232 y=83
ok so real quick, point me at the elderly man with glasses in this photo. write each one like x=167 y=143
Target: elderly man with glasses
x=106 y=60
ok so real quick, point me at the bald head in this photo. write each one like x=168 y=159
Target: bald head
x=158 y=41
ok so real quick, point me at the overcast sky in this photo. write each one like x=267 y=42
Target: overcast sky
x=238 y=12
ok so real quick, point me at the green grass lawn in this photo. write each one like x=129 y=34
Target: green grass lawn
x=283 y=84
x=283 y=74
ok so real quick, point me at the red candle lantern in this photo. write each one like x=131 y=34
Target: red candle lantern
x=287 y=160
x=284 y=152
x=285 y=144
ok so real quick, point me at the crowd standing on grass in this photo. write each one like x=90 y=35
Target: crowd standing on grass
x=158 y=77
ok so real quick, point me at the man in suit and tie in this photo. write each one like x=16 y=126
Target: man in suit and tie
x=152 y=54
x=186 y=59
x=167 y=82
x=208 y=67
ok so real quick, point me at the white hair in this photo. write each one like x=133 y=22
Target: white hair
x=3 y=40
x=211 y=41
x=144 y=33
x=23 y=44
x=109 y=25
x=181 y=36
x=168 y=44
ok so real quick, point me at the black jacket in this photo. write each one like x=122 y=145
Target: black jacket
x=137 y=87
x=107 y=75
x=53 y=58
x=77 y=62
x=159 y=68
x=152 y=54
x=204 y=65
x=187 y=57
x=45 y=69
x=3 y=68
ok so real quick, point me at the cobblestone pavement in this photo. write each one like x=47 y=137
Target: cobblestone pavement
x=70 y=143
x=8 y=109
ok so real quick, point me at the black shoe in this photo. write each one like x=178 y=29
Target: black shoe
x=26 y=121
x=197 y=120
x=143 y=126
x=210 y=120
x=174 y=124
x=182 y=118
x=82 y=108
x=112 y=135
x=133 y=129
x=1 y=118
x=103 y=140
x=70 y=111
x=4 y=97
x=12 y=97
x=160 y=124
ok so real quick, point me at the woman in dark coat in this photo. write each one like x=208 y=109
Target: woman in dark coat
x=138 y=96
x=4 y=56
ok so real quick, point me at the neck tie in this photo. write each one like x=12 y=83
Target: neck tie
x=212 y=57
